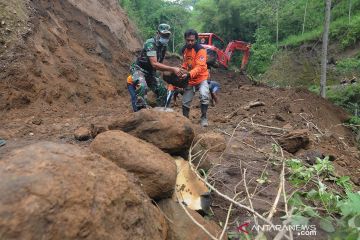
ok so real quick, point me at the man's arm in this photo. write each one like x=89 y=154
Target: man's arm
x=163 y=67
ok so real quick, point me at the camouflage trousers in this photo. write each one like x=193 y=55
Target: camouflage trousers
x=149 y=81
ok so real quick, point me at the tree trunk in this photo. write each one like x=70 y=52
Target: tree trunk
x=173 y=40
x=349 y=11
x=324 y=48
x=277 y=25
x=303 y=27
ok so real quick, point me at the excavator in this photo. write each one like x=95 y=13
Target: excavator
x=218 y=55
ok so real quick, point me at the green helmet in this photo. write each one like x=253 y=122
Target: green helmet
x=164 y=28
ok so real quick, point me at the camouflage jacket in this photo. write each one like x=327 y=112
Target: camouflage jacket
x=151 y=49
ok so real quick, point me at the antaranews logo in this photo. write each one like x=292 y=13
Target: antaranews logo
x=300 y=230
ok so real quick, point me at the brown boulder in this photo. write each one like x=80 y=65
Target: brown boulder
x=155 y=169
x=204 y=144
x=169 y=131
x=58 y=191
x=82 y=134
x=183 y=228
x=295 y=140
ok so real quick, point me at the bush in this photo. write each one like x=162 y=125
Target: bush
x=346 y=96
x=347 y=34
x=355 y=120
x=348 y=66
x=261 y=52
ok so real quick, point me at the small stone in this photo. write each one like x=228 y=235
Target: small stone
x=31 y=134
x=82 y=134
x=67 y=125
x=279 y=118
x=2 y=22
x=356 y=180
x=37 y=121
x=341 y=163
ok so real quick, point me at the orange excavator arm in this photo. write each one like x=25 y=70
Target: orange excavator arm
x=239 y=46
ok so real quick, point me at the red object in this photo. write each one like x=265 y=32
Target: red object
x=214 y=44
x=242 y=227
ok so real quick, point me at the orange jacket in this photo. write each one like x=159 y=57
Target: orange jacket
x=129 y=79
x=194 y=61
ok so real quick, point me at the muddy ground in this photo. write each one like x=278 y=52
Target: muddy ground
x=283 y=109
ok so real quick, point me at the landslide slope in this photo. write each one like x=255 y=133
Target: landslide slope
x=63 y=54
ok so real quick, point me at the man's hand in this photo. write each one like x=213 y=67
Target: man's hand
x=184 y=75
x=177 y=71
x=181 y=72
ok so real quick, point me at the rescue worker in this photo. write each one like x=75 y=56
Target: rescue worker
x=143 y=70
x=137 y=94
x=214 y=90
x=194 y=61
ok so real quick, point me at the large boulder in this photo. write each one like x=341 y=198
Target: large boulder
x=58 y=191
x=155 y=169
x=206 y=146
x=169 y=131
x=183 y=228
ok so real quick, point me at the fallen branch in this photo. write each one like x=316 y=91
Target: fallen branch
x=308 y=124
x=264 y=126
x=246 y=107
x=227 y=197
x=227 y=220
x=249 y=198
x=163 y=212
x=274 y=206
x=194 y=220
x=283 y=187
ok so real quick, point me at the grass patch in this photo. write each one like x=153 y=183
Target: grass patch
x=346 y=96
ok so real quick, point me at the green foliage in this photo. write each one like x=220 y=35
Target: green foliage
x=323 y=203
x=347 y=96
x=346 y=31
x=261 y=52
x=251 y=21
x=355 y=120
x=149 y=14
x=348 y=66
x=297 y=40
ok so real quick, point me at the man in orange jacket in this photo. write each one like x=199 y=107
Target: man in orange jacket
x=194 y=61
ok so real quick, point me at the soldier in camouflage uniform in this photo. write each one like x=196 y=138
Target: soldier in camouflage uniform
x=143 y=70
